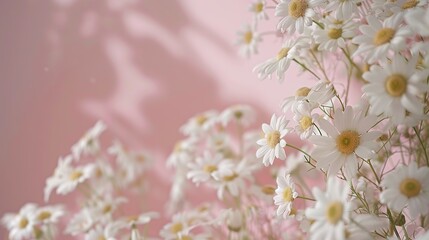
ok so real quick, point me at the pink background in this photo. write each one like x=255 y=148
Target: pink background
x=143 y=68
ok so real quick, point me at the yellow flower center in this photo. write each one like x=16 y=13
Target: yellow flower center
x=282 y=53
x=185 y=237
x=410 y=187
x=335 y=33
x=107 y=209
x=297 y=8
x=23 y=223
x=75 y=175
x=176 y=228
x=248 y=36
x=347 y=141
x=178 y=147
x=383 y=36
x=268 y=190
x=44 y=215
x=302 y=92
x=409 y=4
x=305 y=122
x=37 y=232
x=101 y=238
x=238 y=114
x=334 y=212
x=396 y=85
x=287 y=195
x=201 y=119
x=273 y=138
x=230 y=177
x=259 y=7
x=209 y=168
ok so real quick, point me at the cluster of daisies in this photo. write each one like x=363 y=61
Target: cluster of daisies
x=100 y=179
x=370 y=157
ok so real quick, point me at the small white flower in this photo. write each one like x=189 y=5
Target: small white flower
x=418 y=20
x=296 y=14
x=183 y=152
x=81 y=222
x=335 y=34
x=407 y=186
x=272 y=145
x=67 y=177
x=304 y=119
x=378 y=38
x=321 y=93
x=280 y=63
x=49 y=214
x=394 y=88
x=242 y=114
x=199 y=124
x=285 y=194
x=331 y=212
x=348 y=137
x=202 y=169
x=108 y=231
x=248 y=40
x=179 y=226
x=234 y=219
x=21 y=225
x=89 y=143
x=258 y=10
x=343 y=9
x=230 y=177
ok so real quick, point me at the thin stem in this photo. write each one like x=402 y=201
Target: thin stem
x=306 y=68
x=423 y=146
x=296 y=148
x=319 y=65
x=392 y=223
x=306 y=198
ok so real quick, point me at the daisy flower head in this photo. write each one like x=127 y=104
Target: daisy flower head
x=272 y=145
x=258 y=9
x=331 y=212
x=279 y=64
x=304 y=118
x=407 y=186
x=285 y=194
x=21 y=224
x=380 y=38
x=242 y=114
x=201 y=170
x=49 y=214
x=394 y=88
x=89 y=143
x=321 y=93
x=248 y=40
x=199 y=123
x=230 y=177
x=335 y=34
x=291 y=102
x=418 y=20
x=347 y=139
x=296 y=14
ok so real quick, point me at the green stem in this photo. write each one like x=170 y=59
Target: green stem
x=306 y=68
x=423 y=146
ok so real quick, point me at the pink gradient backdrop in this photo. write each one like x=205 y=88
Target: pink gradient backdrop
x=143 y=68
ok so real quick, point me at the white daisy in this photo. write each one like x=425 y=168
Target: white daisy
x=66 y=177
x=242 y=114
x=89 y=143
x=108 y=231
x=378 y=38
x=394 y=88
x=335 y=34
x=272 y=145
x=343 y=9
x=348 y=137
x=49 y=214
x=81 y=222
x=296 y=14
x=407 y=186
x=280 y=63
x=290 y=103
x=321 y=93
x=285 y=194
x=304 y=119
x=202 y=169
x=331 y=212
x=21 y=225
x=248 y=40
x=418 y=20
x=183 y=152
x=258 y=10
x=199 y=123
x=179 y=226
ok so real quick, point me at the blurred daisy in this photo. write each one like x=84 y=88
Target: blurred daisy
x=108 y=231
x=199 y=123
x=230 y=177
x=285 y=194
x=258 y=10
x=49 y=214
x=394 y=88
x=304 y=118
x=202 y=169
x=407 y=186
x=89 y=143
x=331 y=212
x=348 y=137
x=183 y=152
x=280 y=63
x=242 y=114
x=335 y=33
x=295 y=14
x=291 y=102
x=248 y=40
x=21 y=225
x=378 y=38
x=178 y=227
x=272 y=145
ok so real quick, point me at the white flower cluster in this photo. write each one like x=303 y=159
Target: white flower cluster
x=102 y=178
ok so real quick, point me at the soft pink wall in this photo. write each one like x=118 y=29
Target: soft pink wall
x=143 y=68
